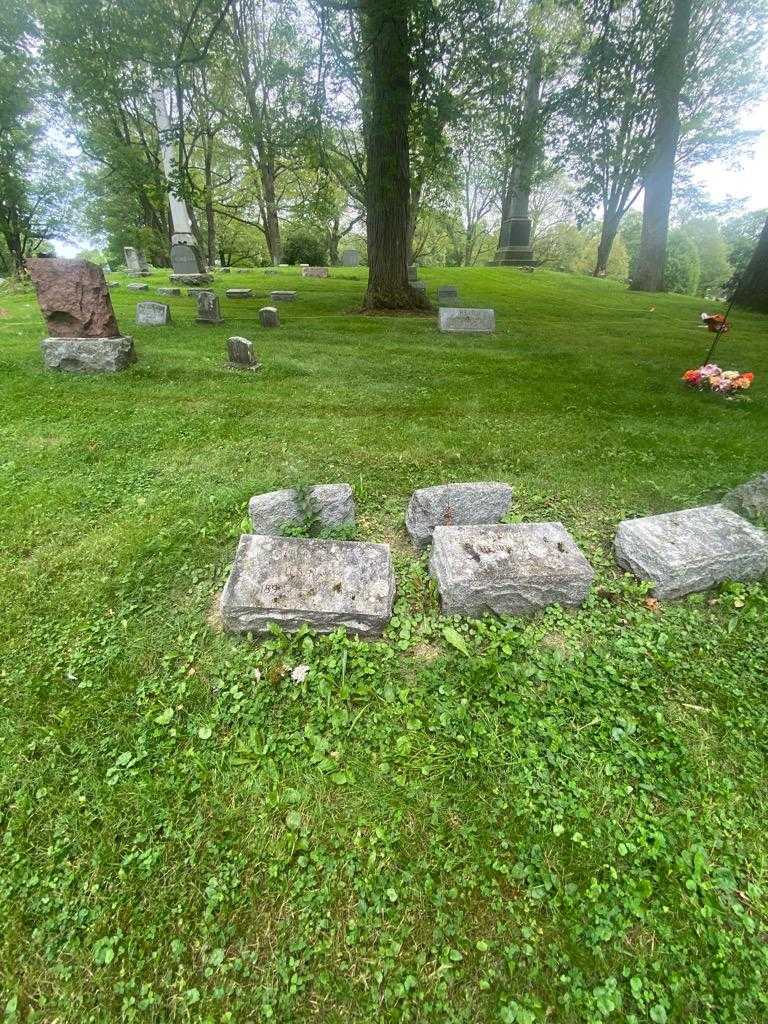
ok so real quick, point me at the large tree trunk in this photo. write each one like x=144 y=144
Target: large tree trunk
x=518 y=192
x=387 y=102
x=753 y=290
x=271 y=219
x=608 y=234
x=669 y=74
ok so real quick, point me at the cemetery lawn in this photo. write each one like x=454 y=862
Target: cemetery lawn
x=560 y=820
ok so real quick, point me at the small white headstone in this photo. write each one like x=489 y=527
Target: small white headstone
x=152 y=314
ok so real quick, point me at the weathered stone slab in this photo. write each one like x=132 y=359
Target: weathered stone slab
x=73 y=298
x=191 y=279
x=750 y=499
x=241 y=354
x=446 y=291
x=296 y=581
x=152 y=314
x=186 y=259
x=692 y=550
x=88 y=355
x=457 y=320
x=239 y=293
x=137 y=287
x=510 y=570
x=329 y=506
x=208 y=308
x=169 y=291
x=135 y=262
x=282 y=296
x=350 y=258
x=455 y=505
x=268 y=317
x=314 y=272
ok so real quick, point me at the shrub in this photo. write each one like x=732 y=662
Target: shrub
x=305 y=245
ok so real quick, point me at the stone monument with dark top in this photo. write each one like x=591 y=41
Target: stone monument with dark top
x=515 y=248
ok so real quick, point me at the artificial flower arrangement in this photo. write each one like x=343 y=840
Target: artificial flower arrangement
x=721 y=381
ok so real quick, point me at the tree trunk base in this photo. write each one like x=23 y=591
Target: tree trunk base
x=381 y=300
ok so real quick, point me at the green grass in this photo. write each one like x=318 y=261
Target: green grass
x=560 y=820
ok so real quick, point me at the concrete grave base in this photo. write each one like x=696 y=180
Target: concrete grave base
x=191 y=279
x=509 y=570
x=692 y=550
x=297 y=581
x=88 y=355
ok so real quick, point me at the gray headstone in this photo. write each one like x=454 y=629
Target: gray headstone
x=282 y=296
x=137 y=287
x=455 y=320
x=455 y=505
x=268 y=317
x=446 y=291
x=239 y=293
x=186 y=259
x=293 y=581
x=240 y=353
x=350 y=258
x=208 y=308
x=314 y=272
x=169 y=291
x=88 y=355
x=509 y=570
x=413 y=272
x=134 y=261
x=329 y=505
x=693 y=550
x=152 y=314
x=750 y=499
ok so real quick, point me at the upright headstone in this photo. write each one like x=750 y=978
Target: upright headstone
x=208 y=308
x=241 y=355
x=188 y=265
x=268 y=317
x=135 y=262
x=515 y=244
x=350 y=258
x=83 y=334
x=152 y=314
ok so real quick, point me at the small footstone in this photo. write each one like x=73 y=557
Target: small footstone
x=240 y=352
x=455 y=505
x=692 y=550
x=296 y=581
x=455 y=320
x=447 y=292
x=750 y=499
x=169 y=291
x=314 y=272
x=208 y=308
x=328 y=505
x=88 y=355
x=152 y=314
x=509 y=570
x=239 y=293
x=282 y=296
x=268 y=317
x=137 y=287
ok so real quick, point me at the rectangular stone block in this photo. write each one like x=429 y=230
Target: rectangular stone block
x=152 y=314
x=314 y=272
x=447 y=292
x=239 y=293
x=296 y=581
x=692 y=550
x=462 y=504
x=169 y=291
x=192 y=280
x=329 y=506
x=137 y=287
x=509 y=570
x=456 y=320
x=282 y=296
x=88 y=355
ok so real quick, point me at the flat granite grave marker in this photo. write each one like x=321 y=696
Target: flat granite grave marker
x=350 y=258
x=476 y=503
x=83 y=333
x=169 y=291
x=314 y=272
x=329 y=505
x=446 y=291
x=297 y=581
x=508 y=569
x=282 y=296
x=208 y=308
x=137 y=287
x=241 y=355
x=239 y=293
x=692 y=550
x=456 y=320
x=135 y=262
x=268 y=317
x=152 y=314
